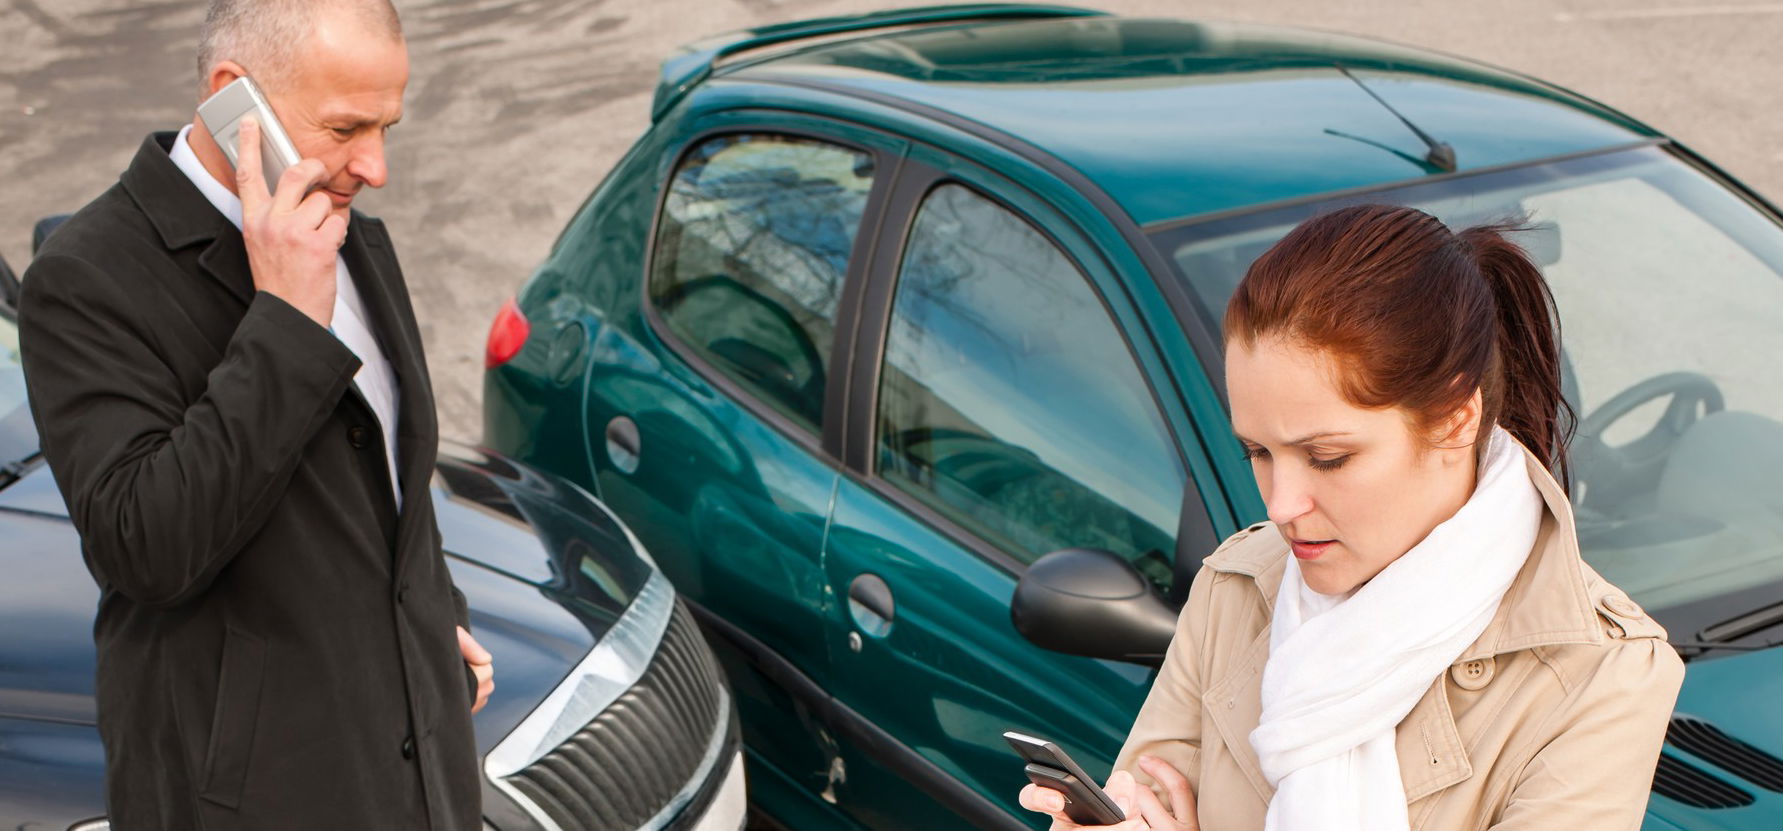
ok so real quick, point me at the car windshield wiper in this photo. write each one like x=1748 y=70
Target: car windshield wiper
x=1722 y=636
x=1691 y=649
x=1739 y=626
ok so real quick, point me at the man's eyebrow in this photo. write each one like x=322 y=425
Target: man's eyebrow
x=356 y=120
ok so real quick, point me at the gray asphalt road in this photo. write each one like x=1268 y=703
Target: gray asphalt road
x=516 y=108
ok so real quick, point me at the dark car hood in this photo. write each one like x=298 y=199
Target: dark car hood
x=46 y=606
x=545 y=569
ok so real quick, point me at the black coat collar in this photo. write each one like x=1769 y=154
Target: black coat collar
x=183 y=217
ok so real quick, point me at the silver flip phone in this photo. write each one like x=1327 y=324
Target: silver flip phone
x=222 y=116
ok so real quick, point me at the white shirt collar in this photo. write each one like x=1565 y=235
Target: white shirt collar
x=219 y=195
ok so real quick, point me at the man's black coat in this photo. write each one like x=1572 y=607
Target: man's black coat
x=276 y=645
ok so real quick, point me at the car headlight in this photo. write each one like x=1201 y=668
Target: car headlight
x=91 y=825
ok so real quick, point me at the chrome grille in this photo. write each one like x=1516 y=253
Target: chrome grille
x=1685 y=783
x=631 y=761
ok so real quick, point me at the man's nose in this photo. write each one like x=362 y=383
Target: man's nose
x=367 y=164
x=1289 y=496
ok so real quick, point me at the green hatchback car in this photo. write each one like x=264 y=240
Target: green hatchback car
x=895 y=338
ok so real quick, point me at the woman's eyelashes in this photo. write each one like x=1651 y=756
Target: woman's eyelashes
x=1255 y=453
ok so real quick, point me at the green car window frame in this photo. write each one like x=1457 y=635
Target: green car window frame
x=1092 y=519
x=788 y=374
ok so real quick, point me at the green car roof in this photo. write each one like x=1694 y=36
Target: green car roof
x=1176 y=119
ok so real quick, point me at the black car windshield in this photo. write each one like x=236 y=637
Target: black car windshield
x=18 y=437
x=1670 y=289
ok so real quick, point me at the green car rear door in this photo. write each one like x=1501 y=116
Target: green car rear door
x=711 y=443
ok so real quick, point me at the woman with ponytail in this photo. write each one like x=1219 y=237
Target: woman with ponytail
x=1412 y=641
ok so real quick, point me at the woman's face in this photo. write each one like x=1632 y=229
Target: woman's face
x=1351 y=489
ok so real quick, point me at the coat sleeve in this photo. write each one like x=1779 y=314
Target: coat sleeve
x=1595 y=768
x=1169 y=723
x=164 y=489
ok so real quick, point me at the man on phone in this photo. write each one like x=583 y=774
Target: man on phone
x=229 y=384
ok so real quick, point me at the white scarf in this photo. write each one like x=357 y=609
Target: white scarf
x=1342 y=673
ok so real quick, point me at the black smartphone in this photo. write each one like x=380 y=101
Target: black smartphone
x=1050 y=767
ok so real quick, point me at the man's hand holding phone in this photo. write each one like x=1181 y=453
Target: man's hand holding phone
x=1142 y=808
x=292 y=236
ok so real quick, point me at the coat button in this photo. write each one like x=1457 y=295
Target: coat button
x=1473 y=675
x=408 y=747
x=1622 y=606
x=357 y=437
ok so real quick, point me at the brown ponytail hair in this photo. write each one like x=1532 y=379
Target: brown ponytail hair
x=1417 y=317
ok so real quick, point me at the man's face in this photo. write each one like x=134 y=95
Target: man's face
x=339 y=101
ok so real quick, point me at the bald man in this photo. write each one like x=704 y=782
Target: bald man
x=229 y=384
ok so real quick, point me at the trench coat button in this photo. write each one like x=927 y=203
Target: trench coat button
x=1473 y=675
x=408 y=747
x=1622 y=606
x=356 y=437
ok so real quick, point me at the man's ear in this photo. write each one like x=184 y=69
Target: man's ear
x=222 y=74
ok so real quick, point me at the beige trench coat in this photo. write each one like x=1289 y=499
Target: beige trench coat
x=1552 y=719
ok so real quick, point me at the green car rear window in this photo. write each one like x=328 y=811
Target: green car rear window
x=751 y=250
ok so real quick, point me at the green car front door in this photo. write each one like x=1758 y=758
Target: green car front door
x=997 y=413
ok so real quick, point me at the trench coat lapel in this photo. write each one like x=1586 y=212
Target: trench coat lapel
x=1234 y=700
x=371 y=261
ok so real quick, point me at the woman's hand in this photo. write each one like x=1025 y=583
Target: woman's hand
x=1144 y=811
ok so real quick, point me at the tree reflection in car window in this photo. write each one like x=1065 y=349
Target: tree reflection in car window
x=751 y=250
x=1010 y=404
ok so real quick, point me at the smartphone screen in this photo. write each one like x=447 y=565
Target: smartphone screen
x=222 y=114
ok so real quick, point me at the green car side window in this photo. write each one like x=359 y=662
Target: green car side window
x=1009 y=402
x=751 y=250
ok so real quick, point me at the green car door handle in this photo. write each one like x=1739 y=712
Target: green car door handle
x=870 y=604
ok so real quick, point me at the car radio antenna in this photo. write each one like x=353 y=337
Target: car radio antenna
x=1441 y=155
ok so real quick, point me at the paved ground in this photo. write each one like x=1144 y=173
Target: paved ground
x=518 y=107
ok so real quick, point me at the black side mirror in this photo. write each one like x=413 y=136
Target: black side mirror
x=1090 y=602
